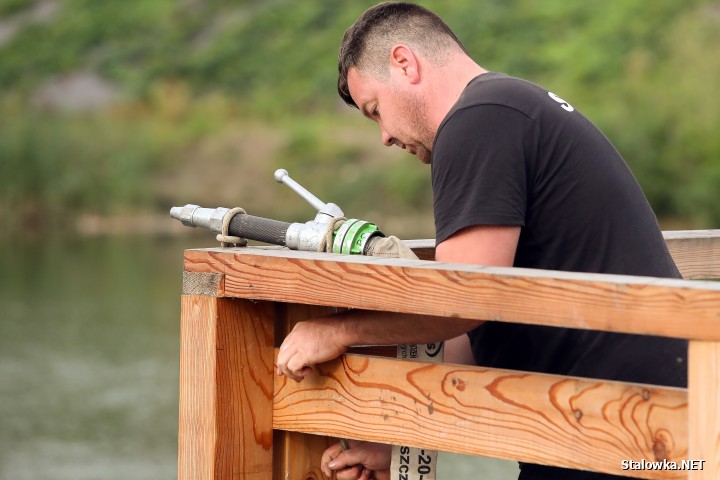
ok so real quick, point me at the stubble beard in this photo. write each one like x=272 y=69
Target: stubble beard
x=417 y=118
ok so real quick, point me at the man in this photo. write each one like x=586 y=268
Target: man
x=520 y=178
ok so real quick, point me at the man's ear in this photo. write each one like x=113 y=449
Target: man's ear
x=404 y=63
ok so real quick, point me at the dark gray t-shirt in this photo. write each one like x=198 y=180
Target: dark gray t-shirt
x=512 y=153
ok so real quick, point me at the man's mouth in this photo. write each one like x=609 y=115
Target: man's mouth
x=410 y=149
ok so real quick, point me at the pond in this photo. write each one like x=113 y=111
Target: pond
x=89 y=361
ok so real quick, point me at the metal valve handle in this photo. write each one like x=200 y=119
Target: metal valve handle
x=282 y=176
x=328 y=209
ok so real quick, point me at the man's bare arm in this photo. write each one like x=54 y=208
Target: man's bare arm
x=322 y=339
x=319 y=340
x=492 y=245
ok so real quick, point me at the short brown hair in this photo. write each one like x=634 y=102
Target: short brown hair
x=380 y=27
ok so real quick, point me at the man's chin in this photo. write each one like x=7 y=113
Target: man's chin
x=424 y=156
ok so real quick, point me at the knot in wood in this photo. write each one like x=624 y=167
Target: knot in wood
x=578 y=414
x=458 y=383
x=660 y=450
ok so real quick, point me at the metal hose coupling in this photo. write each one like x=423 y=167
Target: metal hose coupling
x=354 y=236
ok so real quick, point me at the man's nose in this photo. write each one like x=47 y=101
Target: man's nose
x=387 y=139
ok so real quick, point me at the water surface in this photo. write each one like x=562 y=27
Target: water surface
x=89 y=362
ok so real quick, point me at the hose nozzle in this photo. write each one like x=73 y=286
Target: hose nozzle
x=195 y=216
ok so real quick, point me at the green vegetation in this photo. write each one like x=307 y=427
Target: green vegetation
x=194 y=82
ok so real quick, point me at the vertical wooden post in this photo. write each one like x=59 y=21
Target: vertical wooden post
x=297 y=455
x=226 y=386
x=704 y=408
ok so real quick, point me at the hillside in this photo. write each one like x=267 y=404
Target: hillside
x=111 y=107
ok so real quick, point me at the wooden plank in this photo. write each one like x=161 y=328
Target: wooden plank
x=704 y=400
x=297 y=455
x=226 y=372
x=568 y=422
x=197 y=433
x=696 y=252
x=641 y=305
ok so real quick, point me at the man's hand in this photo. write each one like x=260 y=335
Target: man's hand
x=311 y=342
x=363 y=461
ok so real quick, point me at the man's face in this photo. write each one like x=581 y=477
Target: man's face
x=400 y=113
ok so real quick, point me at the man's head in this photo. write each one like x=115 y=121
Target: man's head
x=403 y=67
x=366 y=45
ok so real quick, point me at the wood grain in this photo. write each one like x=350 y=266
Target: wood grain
x=704 y=400
x=197 y=432
x=575 y=423
x=696 y=253
x=641 y=305
x=226 y=382
x=297 y=455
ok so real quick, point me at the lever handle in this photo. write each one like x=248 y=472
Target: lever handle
x=281 y=176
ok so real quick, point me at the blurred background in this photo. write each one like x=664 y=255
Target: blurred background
x=113 y=111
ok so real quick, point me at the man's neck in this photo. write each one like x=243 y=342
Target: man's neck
x=448 y=83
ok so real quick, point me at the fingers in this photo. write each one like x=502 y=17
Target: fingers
x=291 y=357
x=309 y=343
x=342 y=470
x=328 y=456
x=367 y=475
x=289 y=363
x=356 y=455
x=363 y=461
x=356 y=472
x=300 y=350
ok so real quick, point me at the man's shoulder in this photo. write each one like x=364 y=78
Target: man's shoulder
x=494 y=88
x=492 y=103
x=490 y=94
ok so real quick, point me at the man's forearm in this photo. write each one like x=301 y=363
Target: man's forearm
x=365 y=327
x=322 y=339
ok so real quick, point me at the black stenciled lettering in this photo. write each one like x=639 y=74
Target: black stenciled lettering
x=424 y=460
x=433 y=349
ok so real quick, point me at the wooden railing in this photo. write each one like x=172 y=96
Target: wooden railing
x=239 y=420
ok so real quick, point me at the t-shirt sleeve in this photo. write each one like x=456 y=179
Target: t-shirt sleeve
x=480 y=168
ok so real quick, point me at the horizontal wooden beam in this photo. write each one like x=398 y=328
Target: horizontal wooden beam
x=695 y=252
x=640 y=305
x=567 y=422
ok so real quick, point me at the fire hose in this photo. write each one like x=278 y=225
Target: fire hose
x=330 y=232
